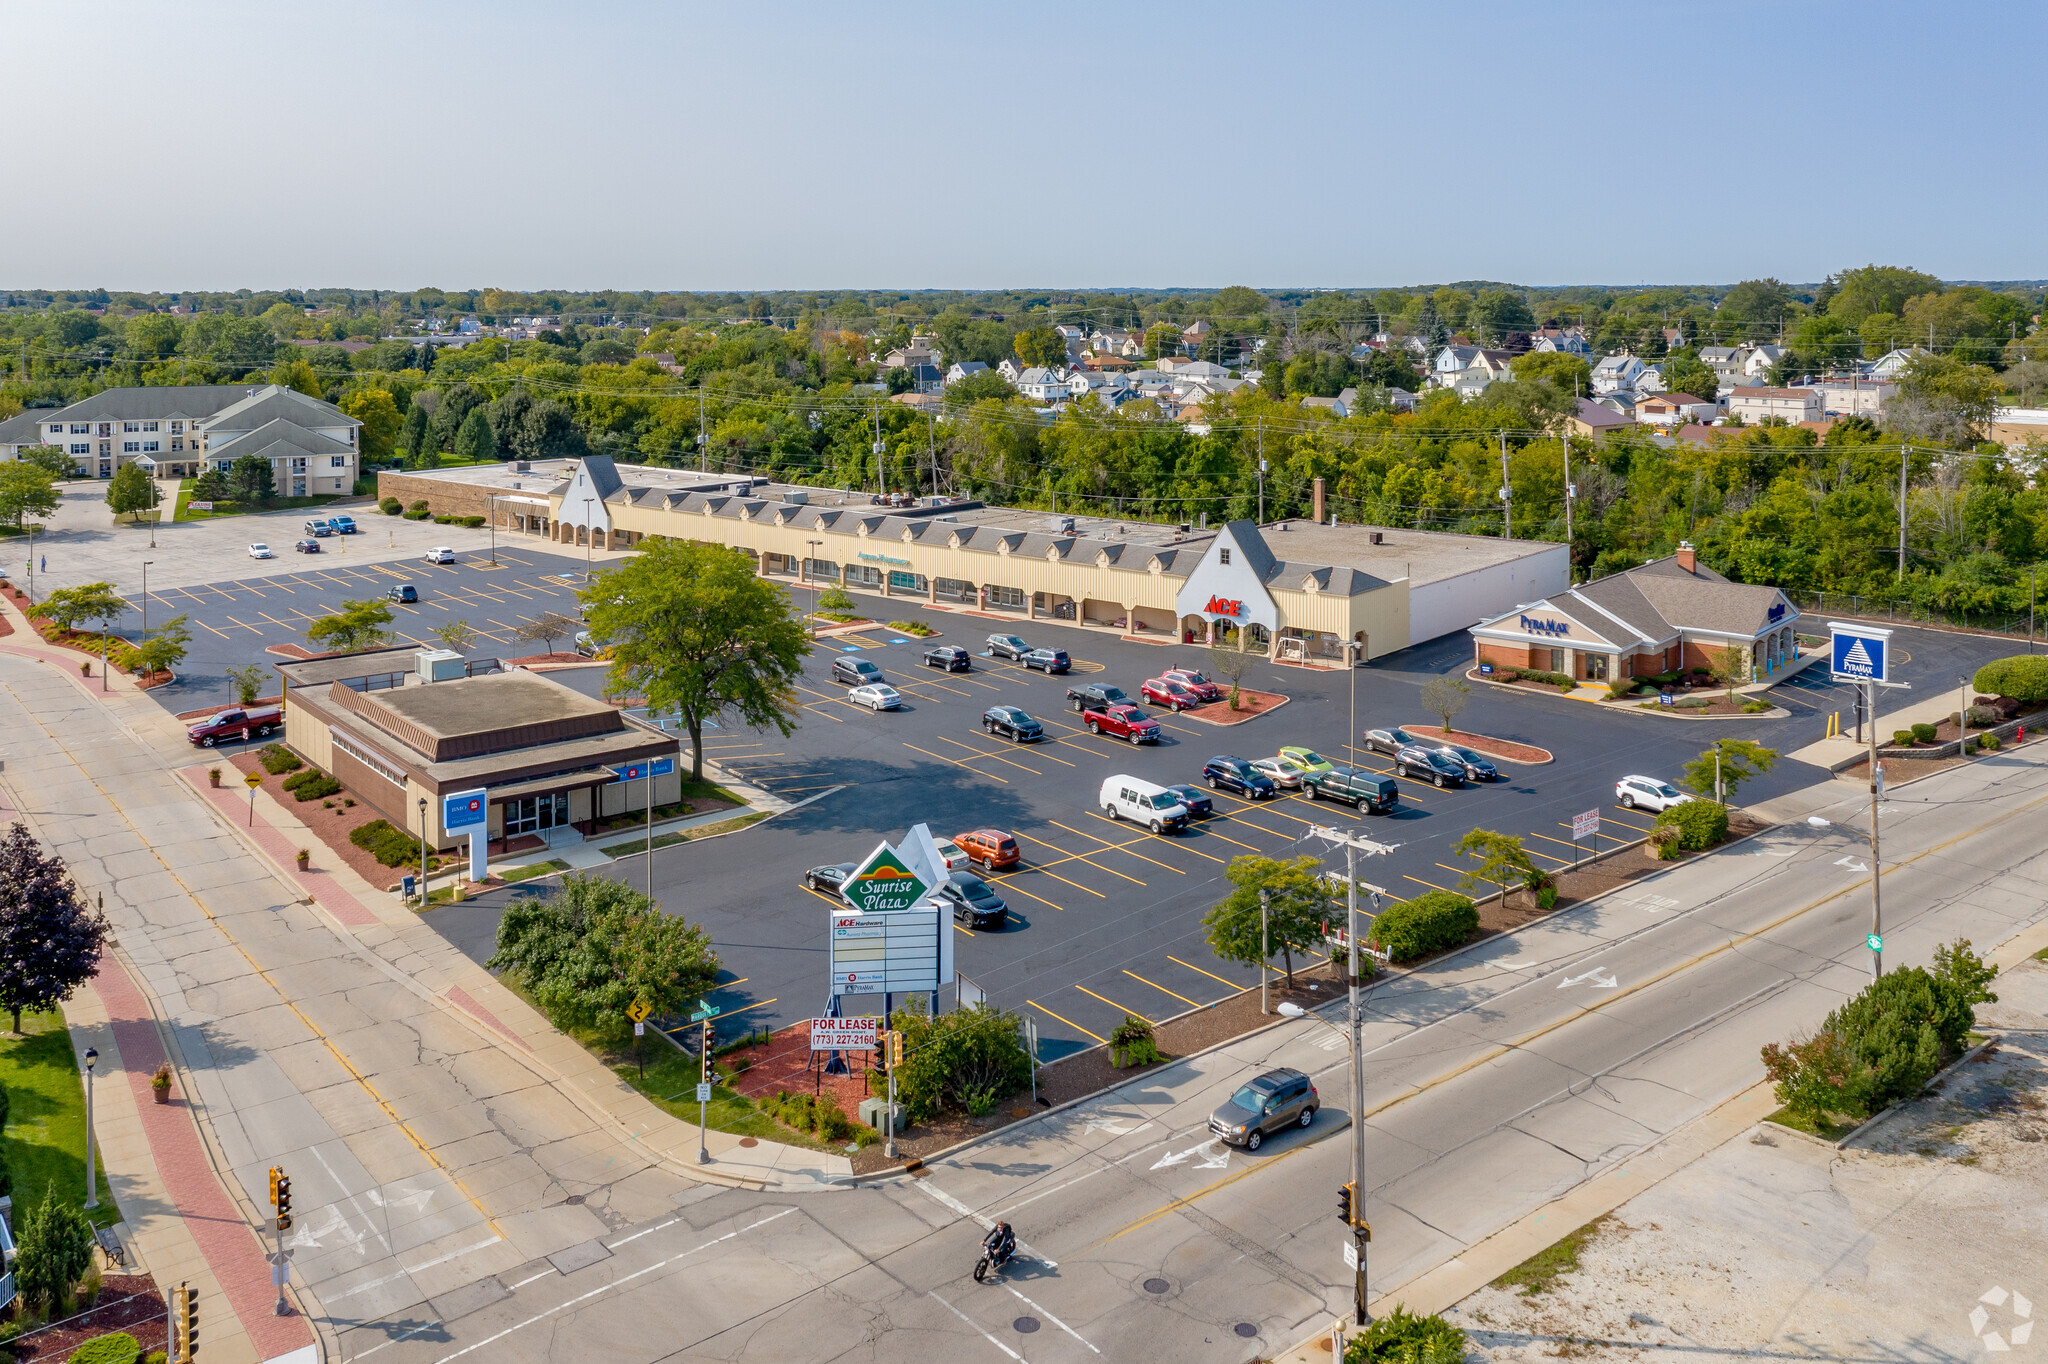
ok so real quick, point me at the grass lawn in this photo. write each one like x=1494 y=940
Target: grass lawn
x=723 y=826
x=1826 y=1131
x=45 y=1137
x=1541 y=1271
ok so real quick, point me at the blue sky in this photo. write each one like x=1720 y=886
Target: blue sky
x=796 y=146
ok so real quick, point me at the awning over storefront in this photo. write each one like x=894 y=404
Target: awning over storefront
x=560 y=781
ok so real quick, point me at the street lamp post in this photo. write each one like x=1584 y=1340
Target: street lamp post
x=92 y=1189
x=145 y=599
x=32 y=564
x=812 y=546
x=423 y=850
x=491 y=502
x=589 y=538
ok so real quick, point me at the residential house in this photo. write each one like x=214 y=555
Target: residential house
x=1568 y=340
x=1192 y=335
x=1651 y=380
x=1892 y=364
x=1334 y=406
x=1726 y=362
x=1621 y=404
x=1469 y=369
x=1042 y=385
x=1110 y=364
x=1200 y=371
x=1760 y=360
x=903 y=357
x=1011 y=368
x=1075 y=338
x=1401 y=400
x=963 y=369
x=1790 y=405
x=1594 y=421
x=1666 y=410
x=925 y=378
x=1082 y=382
x=1616 y=374
x=1854 y=396
x=176 y=431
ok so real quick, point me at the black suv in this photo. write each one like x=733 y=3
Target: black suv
x=974 y=904
x=1097 y=696
x=1429 y=763
x=946 y=656
x=1012 y=724
x=855 y=672
x=1007 y=646
x=1276 y=1100
x=404 y=592
x=1050 y=661
x=1476 y=766
x=1236 y=774
x=1354 y=786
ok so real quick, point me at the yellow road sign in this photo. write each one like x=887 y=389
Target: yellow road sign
x=252 y=781
x=638 y=1010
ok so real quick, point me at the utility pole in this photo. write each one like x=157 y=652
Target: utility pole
x=1507 y=493
x=1876 y=867
x=703 y=445
x=1902 y=511
x=1265 y=951
x=881 y=479
x=1262 y=471
x=1570 y=495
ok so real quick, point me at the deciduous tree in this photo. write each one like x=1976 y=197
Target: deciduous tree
x=1501 y=857
x=250 y=479
x=595 y=947
x=376 y=410
x=129 y=490
x=357 y=625
x=26 y=491
x=1446 y=697
x=165 y=648
x=1297 y=903
x=1740 y=759
x=71 y=607
x=49 y=940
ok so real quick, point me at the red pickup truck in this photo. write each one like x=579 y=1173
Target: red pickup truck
x=236 y=724
x=1123 y=722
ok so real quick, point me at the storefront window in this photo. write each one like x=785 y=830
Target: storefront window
x=907 y=582
x=532 y=814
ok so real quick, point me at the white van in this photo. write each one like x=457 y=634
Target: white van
x=1143 y=802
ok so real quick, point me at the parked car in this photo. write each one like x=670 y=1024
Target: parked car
x=1123 y=722
x=587 y=644
x=343 y=525
x=260 y=552
x=1390 y=741
x=239 y=723
x=403 y=592
x=1007 y=646
x=1195 y=682
x=1285 y=774
x=1200 y=806
x=318 y=528
x=949 y=657
x=1307 y=759
x=1237 y=774
x=1012 y=724
x=1097 y=696
x=990 y=848
x=855 y=672
x=1478 y=767
x=1277 y=1100
x=1374 y=792
x=440 y=554
x=829 y=879
x=951 y=853
x=974 y=904
x=1156 y=807
x=1047 y=661
x=876 y=696
x=1428 y=763
x=307 y=546
x=1647 y=793
x=1164 y=691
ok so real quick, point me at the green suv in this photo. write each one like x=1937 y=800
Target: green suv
x=1355 y=786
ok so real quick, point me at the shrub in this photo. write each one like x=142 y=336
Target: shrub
x=420 y=505
x=834 y=599
x=1692 y=703
x=1431 y=922
x=278 y=760
x=390 y=506
x=2023 y=677
x=1700 y=823
x=417 y=515
x=386 y=842
x=1402 y=1337
x=1923 y=734
x=116 y=1347
x=1902 y=737
x=1989 y=743
x=912 y=627
x=1983 y=717
x=1507 y=674
x=961 y=1059
x=1755 y=707
x=1620 y=687
x=472 y=522
x=1663 y=842
x=1133 y=1038
x=312 y=784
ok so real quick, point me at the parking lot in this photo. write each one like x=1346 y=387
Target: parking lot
x=1931 y=663
x=1106 y=917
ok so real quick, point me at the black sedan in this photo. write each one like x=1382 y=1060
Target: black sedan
x=1196 y=799
x=1428 y=763
x=829 y=879
x=1010 y=723
x=1390 y=741
x=1237 y=774
x=951 y=659
x=1477 y=766
x=307 y=546
x=974 y=904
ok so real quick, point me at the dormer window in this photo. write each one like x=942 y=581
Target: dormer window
x=1223 y=555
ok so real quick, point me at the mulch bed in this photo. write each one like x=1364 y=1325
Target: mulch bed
x=127 y=1302
x=542 y=660
x=1898 y=771
x=330 y=827
x=1487 y=744
x=1251 y=705
x=784 y=1062
x=1719 y=705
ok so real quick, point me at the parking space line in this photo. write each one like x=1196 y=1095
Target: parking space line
x=935 y=682
x=957 y=763
x=1038 y=751
x=254 y=630
x=1068 y=1021
x=1431 y=884
x=1147 y=833
x=250 y=587
x=1114 y=1005
x=1210 y=974
x=1207 y=832
x=1040 y=898
x=222 y=633
x=1072 y=857
x=1118 y=847
x=997 y=756
x=1195 y=1003
x=273 y=620
x=1459 y=870
x=1037 y=867
x=1547 y=838
x=1548 y=856
x=1639 y=828
x=1268 y=805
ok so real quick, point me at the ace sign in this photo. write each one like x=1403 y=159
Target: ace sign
x=883 y=884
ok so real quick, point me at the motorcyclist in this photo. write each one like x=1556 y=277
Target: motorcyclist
x=1000 y=1243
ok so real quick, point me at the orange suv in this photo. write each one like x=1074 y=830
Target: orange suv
x=991 y=848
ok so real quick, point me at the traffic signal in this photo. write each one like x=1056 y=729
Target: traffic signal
x=881 y=1048
x=1344 y=1204
x=185 y=1321
x=895 y=1049
x=705 y=1052
x=274 y=1173
x=283 y=1199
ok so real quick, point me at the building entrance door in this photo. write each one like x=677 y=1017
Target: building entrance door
x=536 y=814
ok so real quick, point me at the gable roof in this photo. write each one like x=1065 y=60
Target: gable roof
x=280 y=439
x=184 y=401
x=274 y=402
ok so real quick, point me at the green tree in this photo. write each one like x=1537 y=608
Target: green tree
x=1685 y=372
x=1569 y=374
x=1730 y=665
x=129 y=490
x=412 y=436
x=357 y=625
x=1404 y=1337
x=376 y=410
x=1871 y=289
x=474 y=440
x=165 y=648
x=458 y=635
x=1758 y=306
x=595 y=947
x=965 y=1059
x=692 y=628
x=71 y=607
x=249 y=681
x=299 y=376
x=1944 y=399
x=26 y=491
x=1237 y=305
x=54 y=1251
x=1445 y=697
x=1497 y=312
x=1740 y=760
x=211 y=486
x=1501 y=857
x=1041 y=346
x=250 y=480
x=50 y=940
x=49 y=459
x=976 y=388
x=1297 y=903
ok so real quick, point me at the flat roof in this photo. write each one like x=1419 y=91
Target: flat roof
x=487 y=704
x=318 y=672
x=1421 y=556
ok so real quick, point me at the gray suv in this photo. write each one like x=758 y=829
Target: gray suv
x=1276 y=1100
x=855 y=672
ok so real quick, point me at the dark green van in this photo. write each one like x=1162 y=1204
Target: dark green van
x=1355 y=786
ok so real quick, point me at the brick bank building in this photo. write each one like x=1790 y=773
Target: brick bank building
x=1667 y=614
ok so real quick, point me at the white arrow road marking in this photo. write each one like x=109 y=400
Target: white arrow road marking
x=1978 y=1316
x=310 y=1234
x=1851 y=863
x=1602 y=980
x=1994 y=1344
x=1114 y=1126
x=1215 y=1156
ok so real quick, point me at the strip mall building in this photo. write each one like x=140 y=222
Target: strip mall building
x=1300 y=589
x=1667 y=614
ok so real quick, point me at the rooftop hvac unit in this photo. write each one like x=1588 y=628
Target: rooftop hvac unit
x=520 y=466
x=796 y=497
x=1377 y=538
x=439 y=665
x=1061 y=525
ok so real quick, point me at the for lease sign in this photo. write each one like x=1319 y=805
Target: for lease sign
x=843 y=1034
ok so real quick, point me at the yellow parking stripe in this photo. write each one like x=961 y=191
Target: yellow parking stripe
x=1040 y=898
x=1119 y=848
x=1207 y=832
x=1072 y=857
x=1057 y=877
x=1163 y=990
x=1420 y=882
x=1114 y=1005
x=1068 y=1021
x=1175 y=842
x=1210 y=974
x=957 y=763
x=997 y=756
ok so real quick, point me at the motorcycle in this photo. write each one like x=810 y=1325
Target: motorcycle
x=991 y=1261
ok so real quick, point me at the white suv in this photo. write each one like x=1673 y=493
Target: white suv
x=441 y=555
x=1647 y=793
